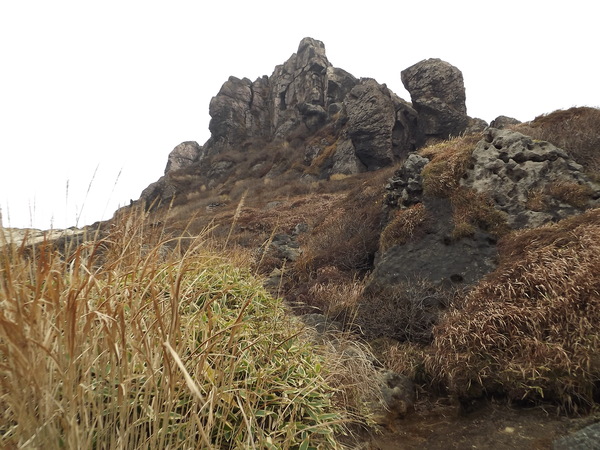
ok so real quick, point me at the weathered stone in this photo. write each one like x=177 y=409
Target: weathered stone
x=513 y=168
x=436 y=256
x=371 y=120
x=183 y=155
x=502 y=122
x=345 y=160
x=438 y=94
x=405 y=188
x=398 y=396
x=587 y=438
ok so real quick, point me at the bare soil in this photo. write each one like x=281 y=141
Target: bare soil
x=492 y=426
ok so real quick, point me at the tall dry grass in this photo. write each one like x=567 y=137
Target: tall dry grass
x=529 y=331
x=137 y=340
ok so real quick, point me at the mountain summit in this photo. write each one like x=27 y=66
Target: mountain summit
x=361 y=124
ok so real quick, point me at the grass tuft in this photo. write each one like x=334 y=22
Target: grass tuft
x=138 y=340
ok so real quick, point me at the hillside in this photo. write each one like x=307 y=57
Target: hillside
x=455 y=262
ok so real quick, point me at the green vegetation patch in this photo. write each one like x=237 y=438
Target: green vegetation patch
x=150 y=350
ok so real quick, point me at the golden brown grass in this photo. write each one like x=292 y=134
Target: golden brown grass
x=530 y=330
x=403 y=226
x=139 y=341
x=472 y=210
x=449 y=161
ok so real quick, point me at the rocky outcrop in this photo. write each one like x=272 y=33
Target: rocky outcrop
x=165 y=188
x=587 y=438
x=380 y=125
x=533 y=181
x=184 y=155
x=438 y=95
x=435 y=255
x=502 y=122
x=336 y=123
x=405 y=188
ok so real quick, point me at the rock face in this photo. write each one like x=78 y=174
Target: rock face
x=438 y=95
x=533 y=181
x=184 y=155
x=436 y=256
x=380 y=125
x=368 y=126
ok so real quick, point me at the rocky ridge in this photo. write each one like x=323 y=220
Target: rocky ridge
x=367 y=126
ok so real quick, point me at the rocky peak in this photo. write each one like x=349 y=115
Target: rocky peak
x=337 y=123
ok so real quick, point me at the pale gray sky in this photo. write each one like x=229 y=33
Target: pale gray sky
x=111 y=87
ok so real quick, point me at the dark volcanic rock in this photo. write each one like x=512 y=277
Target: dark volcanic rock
x=436 y=256
x=371 y=119
x=587 y=438
x=502 y=122
x=438 y=94
x=380 y=125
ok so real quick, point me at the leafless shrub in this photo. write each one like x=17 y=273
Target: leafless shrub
x=405 y=312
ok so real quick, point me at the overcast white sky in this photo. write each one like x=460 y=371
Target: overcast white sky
x=110 y=87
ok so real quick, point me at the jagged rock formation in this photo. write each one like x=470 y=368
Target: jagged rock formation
x=363 y=125
x=534 y=182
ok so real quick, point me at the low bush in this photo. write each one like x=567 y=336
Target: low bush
x=405 y=312
x=529 y=331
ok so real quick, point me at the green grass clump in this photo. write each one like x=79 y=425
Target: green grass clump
x=126 y=344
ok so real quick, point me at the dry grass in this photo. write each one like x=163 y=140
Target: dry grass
x=576 y=130
x=405 y=311
x=346 y=233
x=472 y=210
x=572 y=193
x=403 y=226
x=449 y=161
x=530 y=330
x=139 y=341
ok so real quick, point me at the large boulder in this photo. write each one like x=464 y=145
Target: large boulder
x=533 y=181
x=438 y=94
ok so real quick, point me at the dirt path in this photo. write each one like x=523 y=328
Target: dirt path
x=493 y=426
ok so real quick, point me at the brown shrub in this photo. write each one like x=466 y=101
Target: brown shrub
x=403 y=226
x=530 y=330
x=346 y=234
x=406 y=311
x=576 y=130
